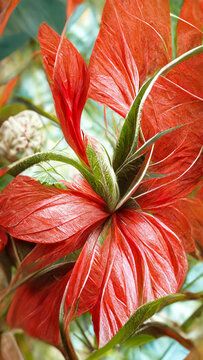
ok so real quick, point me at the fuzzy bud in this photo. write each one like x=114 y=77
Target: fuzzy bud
x=20 y=136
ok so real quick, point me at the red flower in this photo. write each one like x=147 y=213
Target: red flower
x=6 y=9
x=133 y=254
x=189 y=29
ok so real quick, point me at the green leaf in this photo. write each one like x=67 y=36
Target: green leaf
x=130 y=130
x=175 y=6
x=142 y=314
x=128 y=139
x=23 y=164
x=11 y=42
x=10 y=110
x=138 y=340
x=131 y=159
x=105 y=182
x=137 y=180
x=28 y=104
x=24 y=22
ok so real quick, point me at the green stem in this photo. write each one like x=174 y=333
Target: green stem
x=68 y=349
x=157 y=330
x=186 y=325
x=31 y=160
x=87 y=342
x=192 y=282
x=36 y=108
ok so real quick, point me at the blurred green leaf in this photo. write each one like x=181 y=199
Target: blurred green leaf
x=24 y=22
x=10 y=110
x=142 y=314
x=11 y=42
x=175 y=6
x=28 y=104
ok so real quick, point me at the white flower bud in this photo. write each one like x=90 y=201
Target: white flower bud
x=20 y=136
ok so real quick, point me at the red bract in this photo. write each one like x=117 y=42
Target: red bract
x=192 y=209
x=6 y=9
x=189 y=29
x=140 y=34
x=69 y=82
x=132 y=253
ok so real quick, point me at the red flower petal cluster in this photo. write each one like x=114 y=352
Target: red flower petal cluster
x=137 y=253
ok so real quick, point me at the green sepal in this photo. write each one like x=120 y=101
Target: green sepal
x=105 y=181
x=21 y=165
x=132 y=161
x=130 y=130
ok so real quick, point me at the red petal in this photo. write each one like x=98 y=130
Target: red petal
x=6 y=9
x=179 y=223
x=192 y=208
x=175 y=100
x=7 y=90
x=35 y=306
x=134 y=41
x=71 y=6
x=69 y=82
x=88 y=272
x=3 y=240
x=146 y=261
x=160 y=192
x=46 y=254
x=189 y=29
x=45 y=214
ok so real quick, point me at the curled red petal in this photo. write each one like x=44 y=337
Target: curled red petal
x=45 y=214
x=6 y=9
x=140 y=34
x=69 y=81
x=189 y=29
